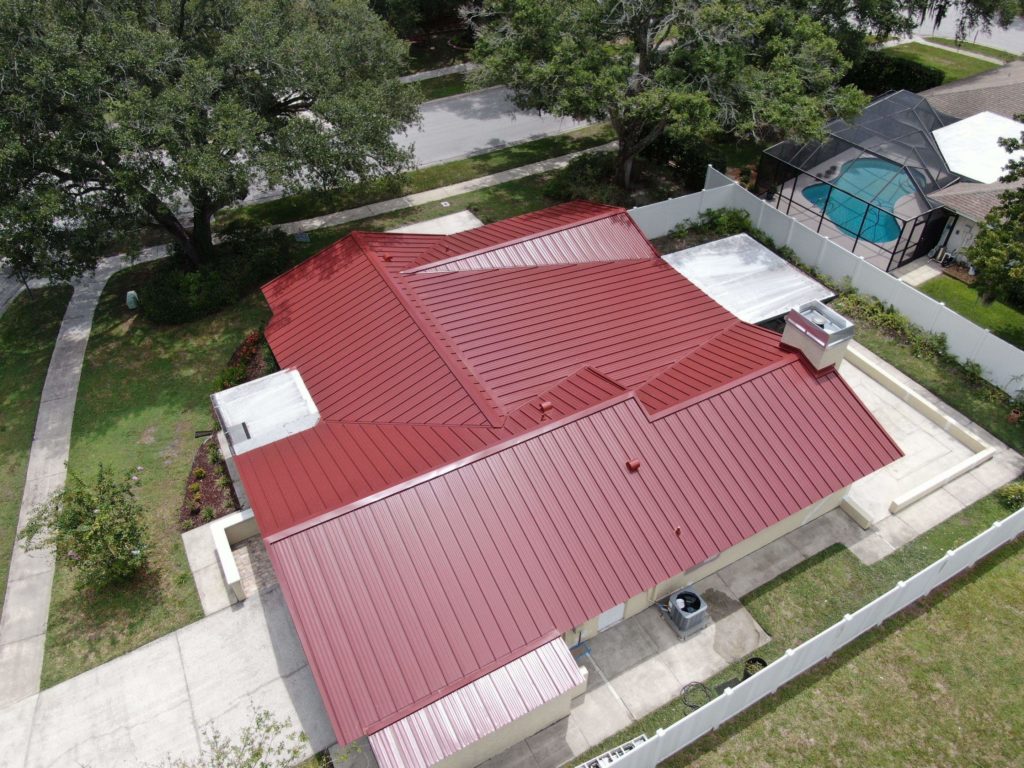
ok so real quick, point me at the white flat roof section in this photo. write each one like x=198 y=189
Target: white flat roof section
x=264 y=410
x=747 y=278
x=971 y=146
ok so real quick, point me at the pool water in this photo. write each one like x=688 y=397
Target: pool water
x=860 y=180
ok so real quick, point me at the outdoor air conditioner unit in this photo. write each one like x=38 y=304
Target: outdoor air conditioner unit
x=687 y=611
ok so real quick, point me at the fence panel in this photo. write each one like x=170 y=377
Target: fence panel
x=684 y=732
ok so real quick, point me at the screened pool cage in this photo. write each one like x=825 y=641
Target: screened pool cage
x=866 y=186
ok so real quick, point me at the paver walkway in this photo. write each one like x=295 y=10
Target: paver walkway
x=430 y=74
x=432 y=195
x=27 y=602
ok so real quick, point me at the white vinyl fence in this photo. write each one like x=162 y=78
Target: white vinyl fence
x=1001 y=362
x=666 y=742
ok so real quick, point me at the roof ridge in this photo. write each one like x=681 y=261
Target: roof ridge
x=474 y=386
x=609 y=212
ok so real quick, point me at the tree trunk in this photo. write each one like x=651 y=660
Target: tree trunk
x=202 y=232
x=624 y=165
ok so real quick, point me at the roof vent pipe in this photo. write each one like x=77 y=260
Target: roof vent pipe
x=546 y=406
x=633 y=465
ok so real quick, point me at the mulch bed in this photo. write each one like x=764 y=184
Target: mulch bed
x=959 y=272
x=250 y=360
x=208 y=492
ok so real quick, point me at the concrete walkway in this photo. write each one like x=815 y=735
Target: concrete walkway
x=155 y=701
x=27 y=601
x=433 y=195
x=455 y=69
x=922 y=41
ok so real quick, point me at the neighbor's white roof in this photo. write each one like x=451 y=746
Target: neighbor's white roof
x=971 y=146
x=746 y=278
x=271 y=407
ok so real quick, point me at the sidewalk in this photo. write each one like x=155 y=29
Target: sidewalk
x=432 y=195
x=455 y=69
x=951 y=49
x=27 y=602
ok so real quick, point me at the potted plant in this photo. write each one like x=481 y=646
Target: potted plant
x=753 y=665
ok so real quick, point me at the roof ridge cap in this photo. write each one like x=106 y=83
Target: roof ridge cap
x=473 y=385
x=609 y=212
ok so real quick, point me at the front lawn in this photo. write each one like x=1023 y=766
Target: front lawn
x=145 y=389
x=954 y=66
x=1004 y=321
x=440 y=87
x=984 y=50
x=305 y=205
x=939 y=675
x=28 y=331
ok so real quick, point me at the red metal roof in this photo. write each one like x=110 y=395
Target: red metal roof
x=444 y=579
x=465 y=498
x=467 y=715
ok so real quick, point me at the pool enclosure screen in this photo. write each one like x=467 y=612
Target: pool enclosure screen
x=867 y=182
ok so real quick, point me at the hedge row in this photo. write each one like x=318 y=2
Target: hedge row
x=878 y=72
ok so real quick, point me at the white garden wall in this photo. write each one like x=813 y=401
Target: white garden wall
x=1001 y=362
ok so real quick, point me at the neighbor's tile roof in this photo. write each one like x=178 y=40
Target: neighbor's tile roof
x=973 y=201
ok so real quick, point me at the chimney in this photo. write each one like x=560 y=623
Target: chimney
x=820 y=333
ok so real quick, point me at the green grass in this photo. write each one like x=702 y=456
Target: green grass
x=1005 y=322
x=144 y=390
x=306 y=205
x=954 y=66
x=28 y=331
x=984 y=50
x=440 y=87
x=960 y=657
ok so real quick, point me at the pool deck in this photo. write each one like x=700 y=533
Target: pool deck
x=907 y=207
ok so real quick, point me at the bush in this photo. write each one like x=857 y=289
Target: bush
x=1012 y=495
x=587 y=177
x=245 y=258
x=96 y=529
x=878 y=72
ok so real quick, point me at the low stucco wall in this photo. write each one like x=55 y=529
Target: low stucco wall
x=514 y=732
x=642 y=601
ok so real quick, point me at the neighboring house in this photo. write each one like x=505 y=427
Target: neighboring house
x=493 y=445
x=999 y=90
x=971 y=203
x=890 y=186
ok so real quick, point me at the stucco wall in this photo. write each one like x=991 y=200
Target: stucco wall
x=514 y=732
x=639 y=602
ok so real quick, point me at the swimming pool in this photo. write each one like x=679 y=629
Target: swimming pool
x=866 y=178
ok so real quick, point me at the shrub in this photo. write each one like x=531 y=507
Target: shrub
x=231 y=376
x=877 y=72
x=265 y=743
x=199 y=473
x=245 y=258
x=1012 y=495
x=96 y=529
x=587 y=177
x=208 y=514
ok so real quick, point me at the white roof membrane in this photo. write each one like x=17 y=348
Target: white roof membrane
x=747 y=278
x=971 y=146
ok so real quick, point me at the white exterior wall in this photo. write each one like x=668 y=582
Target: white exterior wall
x=1002 y=363
x=644 y=600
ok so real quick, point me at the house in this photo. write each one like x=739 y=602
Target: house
x=904 y=178
x=498 y=443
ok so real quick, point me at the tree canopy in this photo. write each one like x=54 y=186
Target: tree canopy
x=997 y=253
x=752 y=68
x=117 y=112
